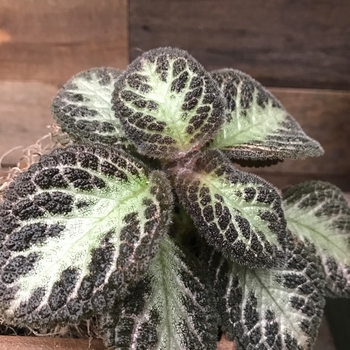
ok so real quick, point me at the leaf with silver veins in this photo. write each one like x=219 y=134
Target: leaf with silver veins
x=83 y=108
x=76 y=230
x=257 y=128
x=171 y=307
x=271 y=309
x=318 y=212
x=167 y=103
x=237 y=213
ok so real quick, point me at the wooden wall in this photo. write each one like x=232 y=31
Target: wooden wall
x=301 y=49
x=42 y=44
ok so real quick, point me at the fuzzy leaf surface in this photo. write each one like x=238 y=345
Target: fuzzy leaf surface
x=237 y=213
x=272 y=309
x=83 y=108
x=76 y=229
x=167 y=103
x=170 y=308
x=257 y=127
x=318 y=212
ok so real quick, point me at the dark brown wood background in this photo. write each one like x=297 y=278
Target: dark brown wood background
x=42 y=44
x=300 y=49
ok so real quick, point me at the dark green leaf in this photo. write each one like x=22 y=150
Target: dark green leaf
x=83 y=107
x=257 y=127
x=237 y=213
x=167 y=103
x=76 y=229
x=170 y=308
x=318 y=212
x=271 y=309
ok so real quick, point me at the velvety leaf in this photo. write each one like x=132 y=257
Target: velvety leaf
x=237 y=213
x=83 y=107
x=167 y=103
x=257 y=127
x=76 y=229
x=271 y=309
x=318 y=212
x=170 y=308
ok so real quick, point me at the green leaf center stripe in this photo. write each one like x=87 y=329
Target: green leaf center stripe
x=169 y=103
x=170 y=282
x=100 y=100
x=332 y=244
x=272 y=296
x=318 y=212
x=73 y=251
x=308 y=217
x=83 y=107
x=236 y=212
x=240 y=206
x=170 y=308
x=252 y=126
x=87 y=222
x=257 y=127
x=278 y=308
x=269 y=291
x=108 y=195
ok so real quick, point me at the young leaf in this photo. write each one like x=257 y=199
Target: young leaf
x=76 y=229
x=167 y=103
x=318 y=212
x=170 y=308
x=257 y=127
x=83 y=107
x=237 y=213
x=279 y=308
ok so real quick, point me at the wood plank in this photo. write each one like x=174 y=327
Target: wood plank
x=50 y=40
x=283 y=180
x=24 y=115
x=324 y=341
x=279 y=42
x=46 y=343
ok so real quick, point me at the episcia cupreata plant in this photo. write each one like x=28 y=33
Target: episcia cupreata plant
x=145 y=223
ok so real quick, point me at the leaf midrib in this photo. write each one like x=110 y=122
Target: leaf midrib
x=242 y=211
x=274 y=302
x=320 y=246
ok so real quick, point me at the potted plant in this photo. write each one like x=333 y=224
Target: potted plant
x=141 y=221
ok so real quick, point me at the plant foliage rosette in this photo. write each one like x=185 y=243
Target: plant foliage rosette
x=145 y=223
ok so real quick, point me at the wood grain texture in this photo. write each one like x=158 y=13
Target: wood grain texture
x=50 y=40
x=279 y=42
x=324 y=342
x=24 y=115
x=45 y=343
